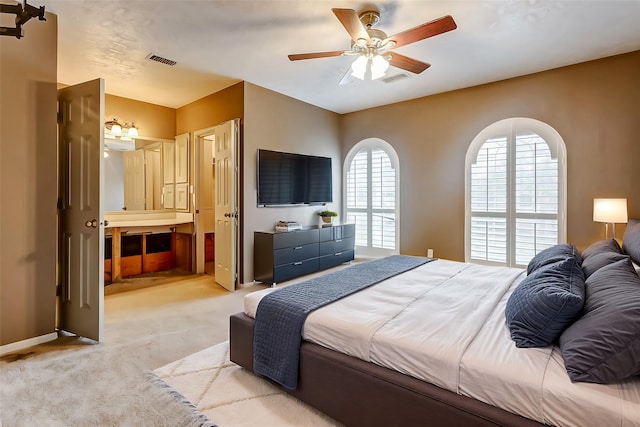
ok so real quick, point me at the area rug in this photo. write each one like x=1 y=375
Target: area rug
x=232 y=396
x=88 y=386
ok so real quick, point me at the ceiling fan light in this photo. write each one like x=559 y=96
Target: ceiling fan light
x=359 y=67
x=379 y=66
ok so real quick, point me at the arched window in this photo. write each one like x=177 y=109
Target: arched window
x=515 y=192
x=371 y=195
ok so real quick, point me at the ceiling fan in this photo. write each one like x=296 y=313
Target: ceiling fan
x=372 y=46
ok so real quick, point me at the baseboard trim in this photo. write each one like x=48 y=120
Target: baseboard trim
x=20 y=345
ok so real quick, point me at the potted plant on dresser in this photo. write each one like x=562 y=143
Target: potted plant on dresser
x=327 y=216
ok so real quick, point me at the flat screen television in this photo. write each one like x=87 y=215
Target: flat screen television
x=293 y=179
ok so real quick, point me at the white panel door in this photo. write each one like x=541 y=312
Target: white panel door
x=81 y=118
x=226 y=198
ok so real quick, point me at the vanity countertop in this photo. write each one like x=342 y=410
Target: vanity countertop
x=146 y=219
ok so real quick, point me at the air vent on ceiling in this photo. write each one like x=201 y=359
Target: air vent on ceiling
x=395 y=78
x=161 y=60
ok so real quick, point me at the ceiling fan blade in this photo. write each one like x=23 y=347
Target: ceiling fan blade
x=299 y=56
x=407 y=63
x=421 y=32
x=351 y=22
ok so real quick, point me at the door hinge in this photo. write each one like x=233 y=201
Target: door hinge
x=58 y=290
x=59 y=116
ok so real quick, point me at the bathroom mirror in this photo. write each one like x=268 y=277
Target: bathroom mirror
x=139 y=175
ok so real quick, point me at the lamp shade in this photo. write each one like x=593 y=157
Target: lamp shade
x=610 y=210
x=133 y=131
x=116 y=129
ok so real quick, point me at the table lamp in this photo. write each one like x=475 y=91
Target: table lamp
x=610 y=211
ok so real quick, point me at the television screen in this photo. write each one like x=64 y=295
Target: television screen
x=289 y=179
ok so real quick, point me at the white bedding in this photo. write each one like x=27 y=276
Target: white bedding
x=443 y=322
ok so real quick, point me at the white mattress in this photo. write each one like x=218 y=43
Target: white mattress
x=443 y=322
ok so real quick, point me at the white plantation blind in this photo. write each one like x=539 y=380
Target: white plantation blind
x=515 y=192
x=371 y=196
x=357 y=195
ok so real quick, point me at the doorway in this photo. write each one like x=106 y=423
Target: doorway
x=216 y=202
x=209 y=253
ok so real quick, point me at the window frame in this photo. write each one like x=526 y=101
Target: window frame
x=370 y=144
x=557 y=148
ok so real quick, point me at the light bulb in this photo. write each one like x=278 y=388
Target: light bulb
x=378 y=67
x=359 y=67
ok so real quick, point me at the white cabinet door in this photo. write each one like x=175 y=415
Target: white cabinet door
x=182 y=196
x=182 y=158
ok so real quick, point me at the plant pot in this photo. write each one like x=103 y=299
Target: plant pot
x=327 y=219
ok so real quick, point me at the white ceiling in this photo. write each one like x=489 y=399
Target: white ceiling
x=218 y=43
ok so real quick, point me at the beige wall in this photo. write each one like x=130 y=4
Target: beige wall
x=276 y=122
x=152 y=120
x=594 y=106
x=211 y=110
x=28 y=182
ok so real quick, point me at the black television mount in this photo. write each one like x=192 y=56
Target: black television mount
x=23 y=14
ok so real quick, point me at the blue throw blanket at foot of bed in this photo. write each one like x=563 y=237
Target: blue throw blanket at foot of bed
x=281 y=314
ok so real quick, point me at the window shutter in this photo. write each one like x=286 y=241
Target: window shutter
x=536 y=197
x=371 y=198
x=489 y=202
x=357 y=181
x=514 y=196
x=357 y=195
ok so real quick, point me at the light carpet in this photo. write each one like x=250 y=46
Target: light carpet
x=232 y=396
x=88 y=387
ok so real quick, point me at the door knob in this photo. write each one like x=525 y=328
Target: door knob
x=92 y=223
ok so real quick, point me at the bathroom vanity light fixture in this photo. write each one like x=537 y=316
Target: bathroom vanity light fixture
x=113 y=129
x=119 y=137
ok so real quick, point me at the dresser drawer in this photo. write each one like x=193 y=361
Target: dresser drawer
x=339 y=245
x=295 y=253
x=294 y=269
x=294 y=238
x=338 y=258
x=337 y=232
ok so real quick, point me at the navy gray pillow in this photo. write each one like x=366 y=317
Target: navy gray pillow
x=603 y=345
x=598 y=260
x=552 y=255
x=631 y=240
x=546 y=302
x=609 y=245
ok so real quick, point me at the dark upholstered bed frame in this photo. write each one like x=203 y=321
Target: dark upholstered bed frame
x=359 y=393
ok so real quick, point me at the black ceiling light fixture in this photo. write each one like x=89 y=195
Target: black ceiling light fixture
x=23 y=14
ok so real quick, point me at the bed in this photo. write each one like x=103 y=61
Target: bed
x=430 y=346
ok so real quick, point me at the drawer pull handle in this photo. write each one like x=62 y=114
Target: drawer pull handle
x=338 y=253
x=297 y=247
x=297 y=263
x=338 y=240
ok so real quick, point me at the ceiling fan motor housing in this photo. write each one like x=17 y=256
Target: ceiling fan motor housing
x=377 y=36
x=369 y=18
